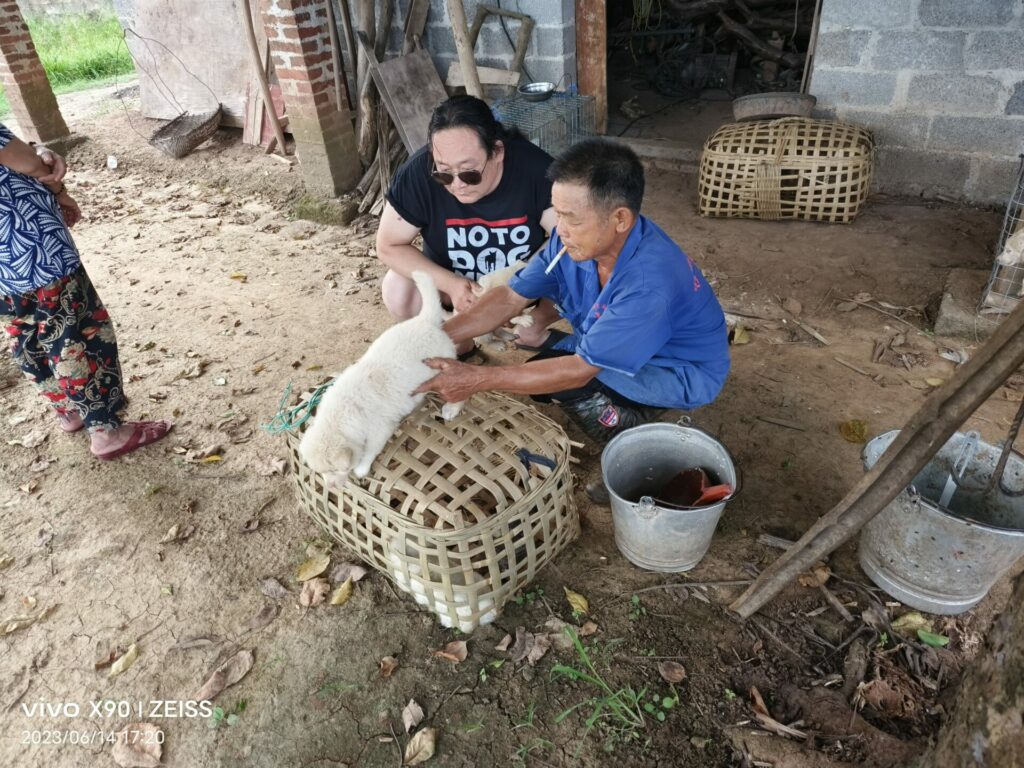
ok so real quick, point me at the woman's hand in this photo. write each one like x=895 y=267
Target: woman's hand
x=68 y=207
x=462 y=292
x=55 y=164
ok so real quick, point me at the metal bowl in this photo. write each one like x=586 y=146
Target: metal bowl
x=536 y=91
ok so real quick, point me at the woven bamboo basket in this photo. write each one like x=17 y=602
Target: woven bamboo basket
x=450 y=512
x=793 y=168
x=186 y=132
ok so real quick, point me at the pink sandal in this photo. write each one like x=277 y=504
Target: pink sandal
x=144 y=433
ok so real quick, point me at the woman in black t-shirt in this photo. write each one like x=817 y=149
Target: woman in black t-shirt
x=479 y=196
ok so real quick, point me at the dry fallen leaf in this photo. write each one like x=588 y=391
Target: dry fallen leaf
x=273 y=588
x=557 y=634
x=818 y=576
x=387 y=665
x=846 y=306
x=529 y=646
x=314 y=592
x=342 y=593
x=344 y=571
x=31 y=440
x=124 y=661
x=739 y=335
x=854 y=431
x=792 y=306
x=506 y=641
x=192 y=642
x=266 y=615
x=588 y=629
x=934 y=381
x=313 y=567
x=455 y=651
x=420 y=747
x=910 y=622
x=227 y=674
x=577 y=601
x=412 y=715
x=671 y=671
x=271 y=466
x=139 y=745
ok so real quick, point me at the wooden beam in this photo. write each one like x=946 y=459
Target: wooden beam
x=457 y=19
x=592 y=56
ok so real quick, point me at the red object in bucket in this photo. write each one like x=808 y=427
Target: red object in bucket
x=690 y=488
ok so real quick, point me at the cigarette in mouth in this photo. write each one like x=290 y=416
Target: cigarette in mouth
x=554 y=261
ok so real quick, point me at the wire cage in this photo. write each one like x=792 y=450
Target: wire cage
x=553 y=125
x=1006 y=283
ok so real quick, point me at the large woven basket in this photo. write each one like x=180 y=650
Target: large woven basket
x=186 y=132
x=793 y=168
x=450 y=512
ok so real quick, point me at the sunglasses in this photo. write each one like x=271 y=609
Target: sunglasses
x=472 y=178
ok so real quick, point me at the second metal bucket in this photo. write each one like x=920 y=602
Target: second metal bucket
x=945 y=558
x=641 y=460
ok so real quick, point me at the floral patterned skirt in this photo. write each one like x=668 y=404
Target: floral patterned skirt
x=63 y=340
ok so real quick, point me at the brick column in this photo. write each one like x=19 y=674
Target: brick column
x=325 y=140
x=24 y=81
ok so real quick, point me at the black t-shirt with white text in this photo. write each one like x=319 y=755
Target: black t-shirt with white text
x=486 y=236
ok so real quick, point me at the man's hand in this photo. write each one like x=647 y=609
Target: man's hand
x=58 y=167
x=455 y=381
x=462 y=292
x=68 y=207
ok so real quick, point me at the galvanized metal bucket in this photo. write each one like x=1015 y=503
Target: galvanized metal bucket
x=945 y=558
x=638 y=462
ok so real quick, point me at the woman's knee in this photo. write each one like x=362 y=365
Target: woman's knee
x=400 y=295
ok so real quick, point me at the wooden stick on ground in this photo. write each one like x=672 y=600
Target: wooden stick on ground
x=925 y=433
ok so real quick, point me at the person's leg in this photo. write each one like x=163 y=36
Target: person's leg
x=78 y=338
x=535 y=335
x=600 y=412
x=21 y=327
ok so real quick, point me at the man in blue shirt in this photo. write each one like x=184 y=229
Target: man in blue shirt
x=648 y=332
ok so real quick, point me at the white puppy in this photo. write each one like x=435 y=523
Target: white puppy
x=362 y=409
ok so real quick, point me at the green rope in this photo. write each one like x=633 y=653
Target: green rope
x=289 y=419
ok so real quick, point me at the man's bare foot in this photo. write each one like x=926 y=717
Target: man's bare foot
x=70 y=422
x=113 y=443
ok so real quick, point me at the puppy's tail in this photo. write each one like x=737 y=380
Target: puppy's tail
x=429 y=297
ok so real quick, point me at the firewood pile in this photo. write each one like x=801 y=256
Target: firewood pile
x=694 y=41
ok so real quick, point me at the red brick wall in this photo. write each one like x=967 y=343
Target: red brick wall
x=300 y=46
x=24 y=80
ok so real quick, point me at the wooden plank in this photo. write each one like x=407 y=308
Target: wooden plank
x=411 y=89
x=457 y=22
x=488 y=76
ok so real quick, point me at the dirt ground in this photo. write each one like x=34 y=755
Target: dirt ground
x=221 y=299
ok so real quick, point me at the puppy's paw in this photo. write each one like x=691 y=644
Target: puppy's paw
x=450 y=411
x=522 y=321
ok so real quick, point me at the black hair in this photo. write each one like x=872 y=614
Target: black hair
x=609 y=170
x=466 y=111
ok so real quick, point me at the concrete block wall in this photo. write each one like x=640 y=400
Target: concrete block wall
x=551 y=53
x=940 y=83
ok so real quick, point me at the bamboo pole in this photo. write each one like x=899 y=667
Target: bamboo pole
x=941 y=414
x=336 y=60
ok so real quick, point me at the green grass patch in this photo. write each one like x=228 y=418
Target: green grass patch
x=78 y=51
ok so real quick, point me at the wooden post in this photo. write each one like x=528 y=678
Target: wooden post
x=457 y=18
x=592 y=56
x=925 y=433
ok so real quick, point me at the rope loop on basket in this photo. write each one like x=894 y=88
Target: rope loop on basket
x=290 y=419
